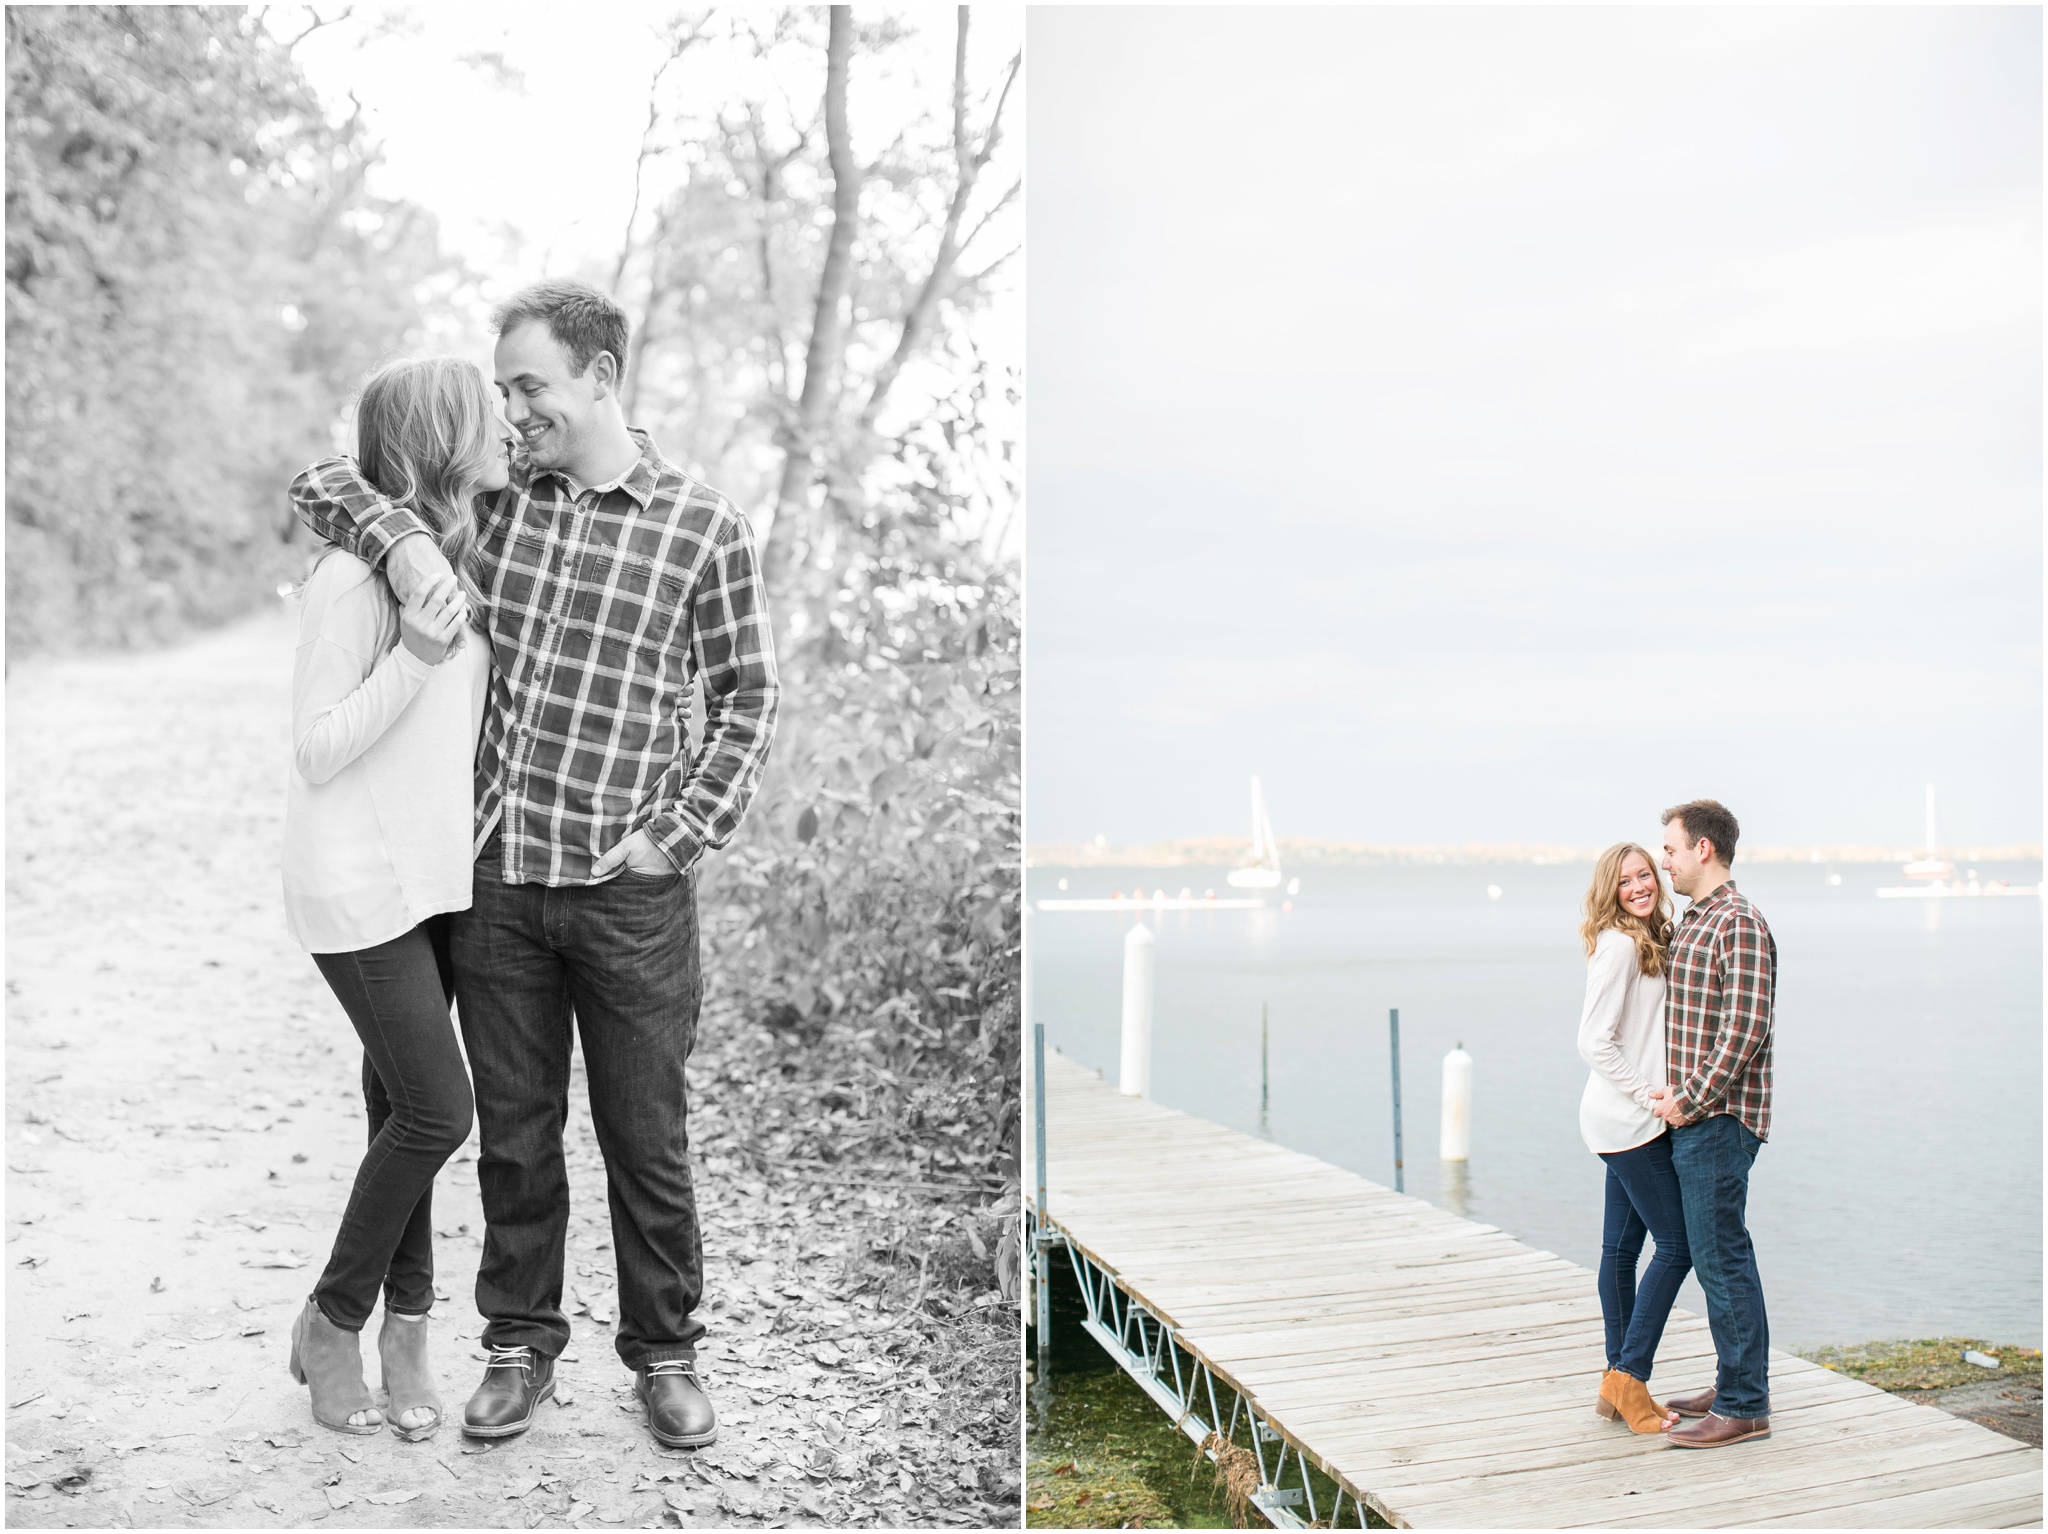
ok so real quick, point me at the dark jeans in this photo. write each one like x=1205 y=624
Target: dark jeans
x=617 y=962
x=1712 y=1159
x=417 y=1094
x=1642 y=1196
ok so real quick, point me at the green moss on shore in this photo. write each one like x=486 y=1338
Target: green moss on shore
x=1931 y=1363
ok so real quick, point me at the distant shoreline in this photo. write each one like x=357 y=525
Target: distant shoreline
x=1227 y=851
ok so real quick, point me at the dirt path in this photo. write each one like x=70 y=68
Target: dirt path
x=183 y=1122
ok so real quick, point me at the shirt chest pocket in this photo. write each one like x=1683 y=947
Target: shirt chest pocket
x=627 y=599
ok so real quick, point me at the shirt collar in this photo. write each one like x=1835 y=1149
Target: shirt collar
x=1706 y=902
x=638 y=481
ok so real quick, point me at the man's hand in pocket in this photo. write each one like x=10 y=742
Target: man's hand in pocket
x=638 y=853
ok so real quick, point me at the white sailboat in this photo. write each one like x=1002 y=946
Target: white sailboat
x=1936 y=876
x=1263 y=871
x=1930 y=864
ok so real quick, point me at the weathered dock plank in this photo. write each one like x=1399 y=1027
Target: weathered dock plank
x=1444 y=1373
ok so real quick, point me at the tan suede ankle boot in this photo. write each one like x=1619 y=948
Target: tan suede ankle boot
x=1630 y=1399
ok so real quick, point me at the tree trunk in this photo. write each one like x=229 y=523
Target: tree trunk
x=828 y=324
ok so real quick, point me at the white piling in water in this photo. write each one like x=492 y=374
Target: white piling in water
x=1134 y=1073
x=1456 y=1142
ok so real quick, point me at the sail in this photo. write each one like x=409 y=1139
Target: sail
x=1263 y=871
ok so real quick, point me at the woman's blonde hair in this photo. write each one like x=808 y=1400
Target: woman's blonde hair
x=424 y=439
x=1652 y=934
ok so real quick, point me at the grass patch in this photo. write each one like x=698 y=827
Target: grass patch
x=1100 y=1454
x=1931 y=1363
x=1092 y=1493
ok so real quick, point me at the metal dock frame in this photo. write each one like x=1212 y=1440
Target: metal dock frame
x=1182 y=1383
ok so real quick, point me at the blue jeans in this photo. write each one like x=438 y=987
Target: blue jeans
x=616 y=963
x=1642 y=1196
x=1712 y=1159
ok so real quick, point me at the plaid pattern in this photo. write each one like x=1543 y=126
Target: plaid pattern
x=1723 y=969
x=604 y=605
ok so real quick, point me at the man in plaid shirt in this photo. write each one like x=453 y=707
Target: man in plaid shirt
x=1723 y=980
x=613 y=583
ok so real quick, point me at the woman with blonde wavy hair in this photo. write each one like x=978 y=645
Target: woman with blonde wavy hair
x=386 y=703
x=1626 y=930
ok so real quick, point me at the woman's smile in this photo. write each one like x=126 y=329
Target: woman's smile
x=1638 y=890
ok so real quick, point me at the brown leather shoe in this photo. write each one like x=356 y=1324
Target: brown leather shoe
x=515 y=1384
x=1692 y=1406
x=679 y=1414
x=1715 y=1431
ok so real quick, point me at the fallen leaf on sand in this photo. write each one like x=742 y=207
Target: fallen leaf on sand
x=283 y=1257
x=390 y=1498
x=337 y=1498
x=34 y=1395
x=33 y=1260
x=156 y=1286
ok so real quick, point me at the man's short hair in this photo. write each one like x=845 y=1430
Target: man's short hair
x=1708 y=819
x=582 y=320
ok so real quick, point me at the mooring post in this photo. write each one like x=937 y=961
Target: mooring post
x=1134 y=1074
x=1042 y=1268
x=1456 y=1140
x=1263 y=1075
x=1394 y=1042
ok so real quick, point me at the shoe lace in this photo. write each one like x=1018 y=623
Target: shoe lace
x=512 y=1358
x=683 y=1366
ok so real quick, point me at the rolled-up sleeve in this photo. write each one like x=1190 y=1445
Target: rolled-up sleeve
x=336 y=502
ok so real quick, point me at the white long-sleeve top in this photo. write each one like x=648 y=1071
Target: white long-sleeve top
x=381 y=796
x=1621 y=1035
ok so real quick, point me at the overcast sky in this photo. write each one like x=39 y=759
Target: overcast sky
x=1495 y=425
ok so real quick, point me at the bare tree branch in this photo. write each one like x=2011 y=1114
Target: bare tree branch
x=968 y=159
x=318 y=22
x=681 y=39
x=983 y=222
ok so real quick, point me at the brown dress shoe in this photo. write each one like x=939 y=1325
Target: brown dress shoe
x=1715 y=1431
x=1692 y=1406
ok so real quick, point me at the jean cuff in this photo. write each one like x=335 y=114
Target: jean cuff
x=666 y=1355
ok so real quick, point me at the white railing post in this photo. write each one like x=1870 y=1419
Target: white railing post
x=1134 y=1074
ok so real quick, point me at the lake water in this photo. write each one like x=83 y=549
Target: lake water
x=1900 y=1193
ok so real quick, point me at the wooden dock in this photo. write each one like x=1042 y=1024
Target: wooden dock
x=1442 y=1373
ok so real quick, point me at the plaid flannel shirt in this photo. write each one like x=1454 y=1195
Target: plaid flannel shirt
x=1718 y=1001
x=603 y=605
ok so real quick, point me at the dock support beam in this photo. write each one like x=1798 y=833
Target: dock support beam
x=1182 y=1384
